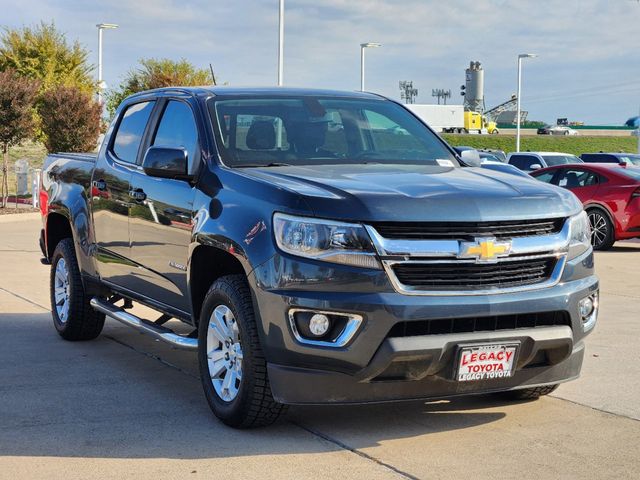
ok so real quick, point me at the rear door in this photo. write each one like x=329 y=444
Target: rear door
x=582 y=182
x=110 y=198
x=160 y=217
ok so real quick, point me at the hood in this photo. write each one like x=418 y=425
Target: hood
x=419 y=193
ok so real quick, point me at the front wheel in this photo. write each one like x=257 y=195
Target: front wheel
x=602 y=231
x=233 y=370
x=529 y=393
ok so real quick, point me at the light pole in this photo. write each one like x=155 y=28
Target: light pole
x=520 y=57
x=101 y=84
x=362 y=47
x=281 y=44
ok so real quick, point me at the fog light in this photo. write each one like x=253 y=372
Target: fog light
x=588 y=308
x=319 y=324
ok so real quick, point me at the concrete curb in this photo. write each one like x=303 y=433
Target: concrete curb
x=19 y=217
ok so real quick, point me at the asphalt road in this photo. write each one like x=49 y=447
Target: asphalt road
x=124 y=406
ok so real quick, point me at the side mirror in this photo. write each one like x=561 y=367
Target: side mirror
x=471 y=158
x=166 y=162
x=536 y=166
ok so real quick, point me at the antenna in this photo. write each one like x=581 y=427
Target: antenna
x=441 y=93
x=213 y=77
x=407 y=92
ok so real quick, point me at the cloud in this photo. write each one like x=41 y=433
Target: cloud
x=584 y=45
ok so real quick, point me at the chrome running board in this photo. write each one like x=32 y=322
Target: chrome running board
x=144 y=326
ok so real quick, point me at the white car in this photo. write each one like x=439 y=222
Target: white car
x=529 y=161
x=560 y=130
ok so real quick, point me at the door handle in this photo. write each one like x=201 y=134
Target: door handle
x=138 y=195
x=100 y=185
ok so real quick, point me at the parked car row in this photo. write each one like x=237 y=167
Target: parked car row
x=610 y=194
x=607 y=184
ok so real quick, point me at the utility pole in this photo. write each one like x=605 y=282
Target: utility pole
x=101 y=82
x=519 y=95
x=363 y=46
x=281 y=45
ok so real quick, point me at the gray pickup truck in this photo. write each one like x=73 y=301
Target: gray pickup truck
x=323 y=246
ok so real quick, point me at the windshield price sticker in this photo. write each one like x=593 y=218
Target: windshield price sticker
x=444 y=162
x=486 y=362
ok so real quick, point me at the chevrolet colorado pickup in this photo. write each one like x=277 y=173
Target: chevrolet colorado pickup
x=322 y=247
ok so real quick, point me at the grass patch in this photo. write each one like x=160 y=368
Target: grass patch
x=547 y=143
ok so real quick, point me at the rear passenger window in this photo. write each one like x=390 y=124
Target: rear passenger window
x=129 y=135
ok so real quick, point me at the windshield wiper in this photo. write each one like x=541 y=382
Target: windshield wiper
x=258 y=165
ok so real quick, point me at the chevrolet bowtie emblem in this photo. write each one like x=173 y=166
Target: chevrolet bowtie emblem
x=484 y=249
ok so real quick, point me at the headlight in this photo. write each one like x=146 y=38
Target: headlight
x=324 y=240
x=580 y=235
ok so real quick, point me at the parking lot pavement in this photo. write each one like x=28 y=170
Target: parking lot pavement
x=125 y=406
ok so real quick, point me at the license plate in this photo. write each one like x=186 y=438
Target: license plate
x=486 y=362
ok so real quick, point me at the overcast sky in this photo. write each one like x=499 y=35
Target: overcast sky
x=588 y=68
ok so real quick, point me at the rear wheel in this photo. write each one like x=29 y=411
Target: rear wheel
x=602 y=231
x=530 y=393
x=73 y=317
x=233 y=370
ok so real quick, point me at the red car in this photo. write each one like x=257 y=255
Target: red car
x=610 y=194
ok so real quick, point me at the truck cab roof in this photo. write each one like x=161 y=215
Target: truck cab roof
x=256 y=91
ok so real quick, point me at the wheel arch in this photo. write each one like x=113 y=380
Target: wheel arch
x=605 y=209
x=207 y=264
x=57 y=228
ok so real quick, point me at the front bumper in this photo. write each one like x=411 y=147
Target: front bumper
x=375 y=367
x=294 y=385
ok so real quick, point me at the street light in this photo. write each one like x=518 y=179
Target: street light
x=101 y=83
x=520 y=57
x=281 y=44
x=362 y=47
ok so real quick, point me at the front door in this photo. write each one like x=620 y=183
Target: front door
x=160 y=215
x=110 y=194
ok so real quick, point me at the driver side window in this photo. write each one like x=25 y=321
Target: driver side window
x=177 y=128
x=576 y=178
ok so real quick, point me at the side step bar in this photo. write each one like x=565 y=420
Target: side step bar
x=145 y=326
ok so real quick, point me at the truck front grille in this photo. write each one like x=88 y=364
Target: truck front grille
x=470 y=275
x=466 y=230
x=478 y=324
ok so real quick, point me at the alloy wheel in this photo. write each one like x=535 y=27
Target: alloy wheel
x=599 y=228
x=61 y=290
x=224 y=353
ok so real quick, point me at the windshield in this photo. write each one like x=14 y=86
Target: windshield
x=560 y=159
x=309 y=130
x=631 y=159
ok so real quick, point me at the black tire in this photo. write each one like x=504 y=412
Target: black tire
x=253 y=405
x=80 y=322
x=602 y=229
x=529 y=393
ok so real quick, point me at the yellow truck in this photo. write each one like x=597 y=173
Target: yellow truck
x=475 y=122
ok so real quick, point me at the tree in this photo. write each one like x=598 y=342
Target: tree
x=17 y=119
x=70 y=120
x=43 y=53
x=157 y=73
